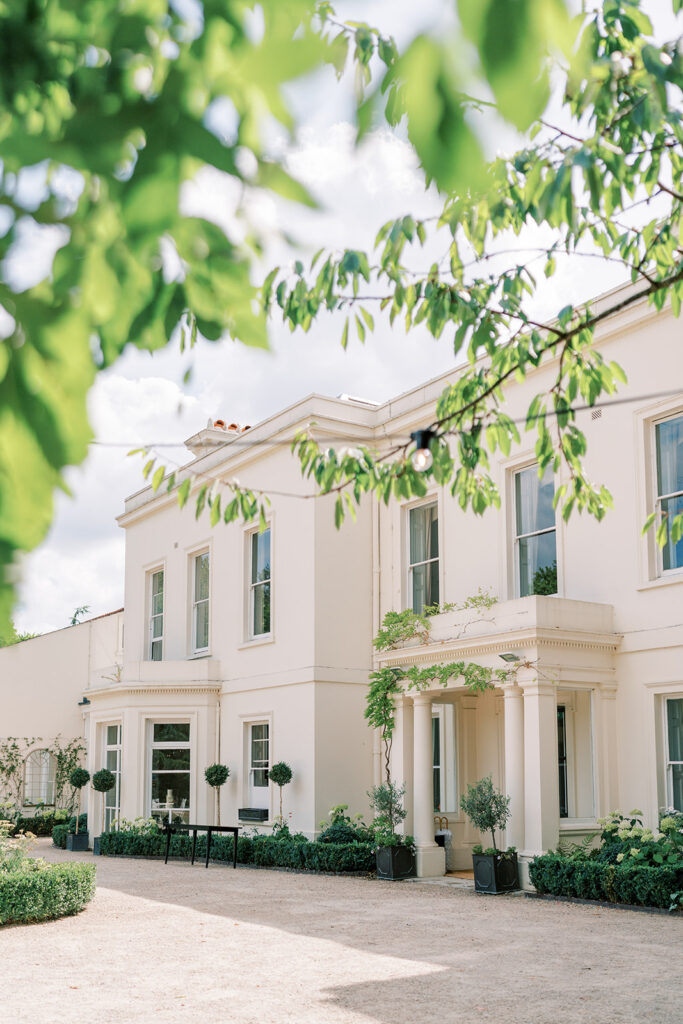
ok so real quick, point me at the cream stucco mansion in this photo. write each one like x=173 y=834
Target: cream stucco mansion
x=250 y=648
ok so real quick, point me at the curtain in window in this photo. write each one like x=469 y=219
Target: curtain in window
x=424 y=556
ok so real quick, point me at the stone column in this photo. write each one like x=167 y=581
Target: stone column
x=431 y=859
x=604 y=706
x=541 y=783
x=514 y=763
x=467 y=763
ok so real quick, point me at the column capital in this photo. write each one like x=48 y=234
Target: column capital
x=538 y=688
x=511 y=689
x=423 y=699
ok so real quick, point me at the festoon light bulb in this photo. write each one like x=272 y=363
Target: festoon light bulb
x=421 y=458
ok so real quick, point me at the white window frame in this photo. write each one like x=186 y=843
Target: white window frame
x=195 y=555
x=661 y=572
x=252 y=586
x=667 y=758
x=47 y=783
x=153 y=745
x=515 y=471
x=151 y=639
x=112 y=813
x=431 y=502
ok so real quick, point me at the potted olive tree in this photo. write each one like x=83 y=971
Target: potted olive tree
x=281 y=775
x=76 y=841
x=394 y=853
x=216 y=776
x=495 y=870
x=102 y=782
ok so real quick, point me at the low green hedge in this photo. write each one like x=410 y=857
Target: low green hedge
x=41 y=825
x=261 y=850
x=60 y=832
x=596 y=880
x=45 y=891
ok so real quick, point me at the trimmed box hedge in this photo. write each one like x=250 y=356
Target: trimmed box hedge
x=614 y=883
x=60 y=832
x=45 y=892
x=41 y=825
x=263 y=851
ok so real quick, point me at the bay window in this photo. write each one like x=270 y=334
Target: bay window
x=170 y=771
x=112 y=761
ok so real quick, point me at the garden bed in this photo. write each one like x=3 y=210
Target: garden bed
x=259 y=851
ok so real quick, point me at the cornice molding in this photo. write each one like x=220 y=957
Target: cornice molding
x=497 y=643
x=137 y=689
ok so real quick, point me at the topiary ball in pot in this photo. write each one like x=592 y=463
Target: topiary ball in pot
x=281 y=775
x=79 y=778
x=102 y=782
x=216 y=776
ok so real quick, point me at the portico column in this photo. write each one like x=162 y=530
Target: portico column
x=605 y=706
x=541 y=785
x=431 y=859
x=514 y=763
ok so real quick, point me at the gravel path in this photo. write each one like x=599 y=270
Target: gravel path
x=180 y=944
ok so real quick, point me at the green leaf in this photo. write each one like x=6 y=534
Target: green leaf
x=184 y=491
x=158 y=477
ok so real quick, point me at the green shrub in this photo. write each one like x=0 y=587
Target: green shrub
x=45 y=891
x=342 y=828
x=593 y=879
x=265 y=851
x=60 y=832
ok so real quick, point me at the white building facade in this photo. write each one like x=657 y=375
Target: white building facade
x=250 y=647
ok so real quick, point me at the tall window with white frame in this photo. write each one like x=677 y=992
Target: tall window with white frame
x=156 y=615
x=40 y=770
x=259 y=764
x=200 y=602
x=112 y=761
x=260 y=582
x=423 y=566
x=669 y=444
x=535 y=540
x=674 y=742
x=170 y=771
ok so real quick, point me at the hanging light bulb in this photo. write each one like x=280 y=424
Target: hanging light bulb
x=421 y=458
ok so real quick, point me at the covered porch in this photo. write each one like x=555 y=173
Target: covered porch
x=545 y=733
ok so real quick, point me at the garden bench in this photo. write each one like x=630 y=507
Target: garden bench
x=174 y=827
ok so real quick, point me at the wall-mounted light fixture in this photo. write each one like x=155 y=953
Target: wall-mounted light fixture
x=509 y=656
x=422 y=457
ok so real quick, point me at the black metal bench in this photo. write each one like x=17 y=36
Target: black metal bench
x=176 y=827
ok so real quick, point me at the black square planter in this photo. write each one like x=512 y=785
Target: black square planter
x=252 y=814
x=77 y=842
x=96 y=846
x=495 y=873
x=395 y=862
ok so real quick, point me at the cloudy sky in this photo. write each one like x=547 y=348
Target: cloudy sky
x=142 y=399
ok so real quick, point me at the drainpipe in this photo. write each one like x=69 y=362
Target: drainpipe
x=376 y=610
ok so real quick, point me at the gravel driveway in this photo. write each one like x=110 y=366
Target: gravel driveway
x=180 y=944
